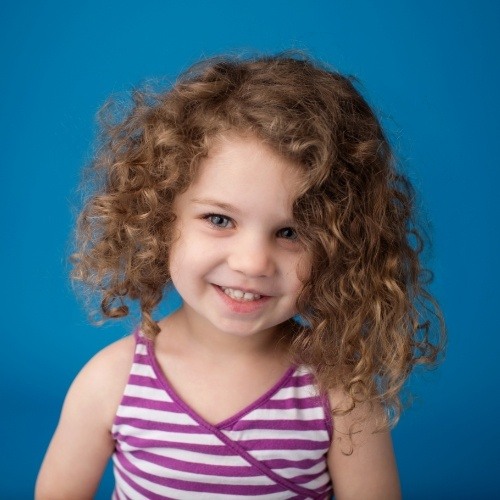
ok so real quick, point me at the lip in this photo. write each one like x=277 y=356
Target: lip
x=242 y=307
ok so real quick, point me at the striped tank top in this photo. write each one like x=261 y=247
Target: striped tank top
x=276 y=448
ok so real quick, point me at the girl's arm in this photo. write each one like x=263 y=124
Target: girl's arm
x=82 y=443
x=370 y=471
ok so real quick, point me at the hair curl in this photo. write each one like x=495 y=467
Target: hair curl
x=366 y=309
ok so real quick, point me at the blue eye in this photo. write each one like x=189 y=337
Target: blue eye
x=288 y=233
x=219 y=221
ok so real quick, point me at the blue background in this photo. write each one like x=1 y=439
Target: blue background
x=430 y=68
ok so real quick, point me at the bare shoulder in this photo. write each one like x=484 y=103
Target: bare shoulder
x=105 y=375
x=100 y=384
x=83 y=442
x=361 y=457
x=114 y=359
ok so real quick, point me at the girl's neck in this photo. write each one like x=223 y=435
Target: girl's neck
x=187 y=334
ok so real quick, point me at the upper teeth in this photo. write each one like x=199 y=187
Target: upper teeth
x=240 y=294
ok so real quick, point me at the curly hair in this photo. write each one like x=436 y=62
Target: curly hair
x=367 y=314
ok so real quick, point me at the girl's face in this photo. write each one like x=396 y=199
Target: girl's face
x=237 y=263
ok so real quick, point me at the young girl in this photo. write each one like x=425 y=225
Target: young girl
x=265 y=192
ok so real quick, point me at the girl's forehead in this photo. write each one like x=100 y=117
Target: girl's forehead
x=244 y=171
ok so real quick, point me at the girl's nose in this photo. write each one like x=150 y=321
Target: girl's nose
x=252 y=257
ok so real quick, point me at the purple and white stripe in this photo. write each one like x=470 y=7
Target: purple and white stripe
x=274 y=449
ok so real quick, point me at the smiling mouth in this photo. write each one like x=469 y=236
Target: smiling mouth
x=240 y=295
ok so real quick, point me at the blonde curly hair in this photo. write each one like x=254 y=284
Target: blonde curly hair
x=366 y=313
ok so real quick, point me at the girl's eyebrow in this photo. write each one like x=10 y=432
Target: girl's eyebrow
x=215 y=203
x=227 y=207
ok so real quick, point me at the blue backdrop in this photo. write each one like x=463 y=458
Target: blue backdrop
x=430 y=67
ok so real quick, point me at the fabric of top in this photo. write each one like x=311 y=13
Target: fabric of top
x=275 y=448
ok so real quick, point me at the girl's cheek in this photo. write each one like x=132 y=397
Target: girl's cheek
x=304 y=268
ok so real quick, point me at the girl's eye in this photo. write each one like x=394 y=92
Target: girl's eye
x=288 y=233
x=219 y=221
